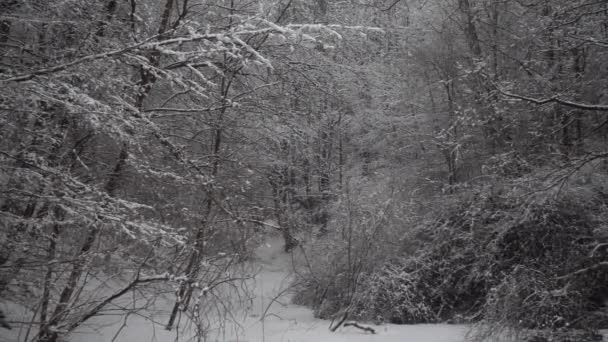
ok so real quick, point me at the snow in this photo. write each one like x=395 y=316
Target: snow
x=283 y=322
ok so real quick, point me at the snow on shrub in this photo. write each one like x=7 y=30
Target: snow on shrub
x=496 y=254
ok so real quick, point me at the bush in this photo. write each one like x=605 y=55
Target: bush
x=327 y=283
x=531 y=299
x=394 y=294
x=496 y=254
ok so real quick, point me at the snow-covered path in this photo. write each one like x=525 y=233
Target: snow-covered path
x=283 y=322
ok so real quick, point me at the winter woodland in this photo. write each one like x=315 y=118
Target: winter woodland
x=303 y=170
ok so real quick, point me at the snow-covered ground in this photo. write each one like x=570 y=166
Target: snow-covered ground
x=286 y=322
x=271 y=318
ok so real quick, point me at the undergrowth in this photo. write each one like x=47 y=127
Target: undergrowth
x=501 y=255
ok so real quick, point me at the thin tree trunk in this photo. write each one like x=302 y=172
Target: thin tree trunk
x=46 y=292
x=470 y=29
x=147 y=75
x=110 y=11
x=578 y=67
x=61 y=310
x=495 y=22
x=46 y=333
x=341 y=160
x=449 y=151
x=6 y=7
x=192 y=268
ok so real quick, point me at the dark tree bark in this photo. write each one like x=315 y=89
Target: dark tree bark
x=6 y=7
x=470 y=28
x=148 y=76
x=110 y=10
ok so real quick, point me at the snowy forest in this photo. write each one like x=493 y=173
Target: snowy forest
x=407 y=164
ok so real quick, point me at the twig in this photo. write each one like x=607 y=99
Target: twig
x=391 y=6
x=272 y=301
x=124 y=325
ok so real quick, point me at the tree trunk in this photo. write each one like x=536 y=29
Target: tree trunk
x=47 y=334
x=470 y=29
x=148 y=76
x=192 y=268
x=495 y=37
x=110 y=11
x=6 y=7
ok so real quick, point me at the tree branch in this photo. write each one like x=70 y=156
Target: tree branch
x=145 y=45
x=391 y=6
x=188 y=110
x=46 y=71
x=95 y=310
x=585 y=270
x=555 y=99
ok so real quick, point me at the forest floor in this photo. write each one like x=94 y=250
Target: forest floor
x=282 y=321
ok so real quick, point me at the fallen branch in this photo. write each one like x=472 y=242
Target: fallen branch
x=354 y=324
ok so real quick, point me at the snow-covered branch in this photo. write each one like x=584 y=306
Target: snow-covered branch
x=555 y=99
